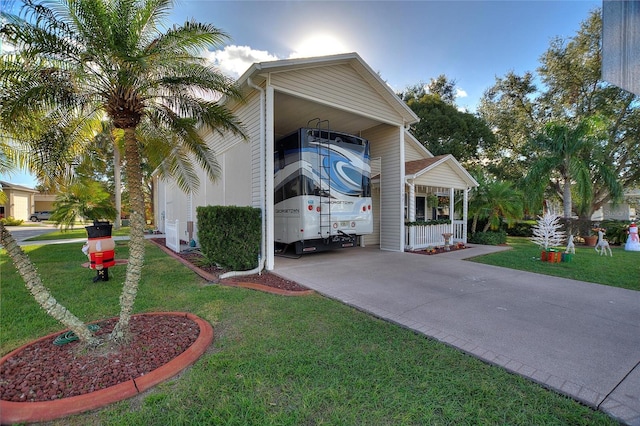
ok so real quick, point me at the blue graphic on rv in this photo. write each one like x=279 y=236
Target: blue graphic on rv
x=326 y=175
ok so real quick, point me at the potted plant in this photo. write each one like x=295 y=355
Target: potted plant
x=590 y=240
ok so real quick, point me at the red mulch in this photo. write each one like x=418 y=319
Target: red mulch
x=43 y=371
x=265 y=278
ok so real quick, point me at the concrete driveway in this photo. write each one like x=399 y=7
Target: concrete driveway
x=577 y=338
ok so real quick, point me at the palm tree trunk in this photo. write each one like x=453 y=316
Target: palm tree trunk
x=40 y=293
x=566 y=198
x=118 y=190
x=133 y=171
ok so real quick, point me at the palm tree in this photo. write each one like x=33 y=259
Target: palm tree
x=89 y=59
x=495 y=201
x=85 y=199
x=567 y=159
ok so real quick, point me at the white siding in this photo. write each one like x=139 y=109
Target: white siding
x=411 y=152
x=239 y=179
x=385 y=143
x=338 y=85
x=443 y=176
x=373 y=239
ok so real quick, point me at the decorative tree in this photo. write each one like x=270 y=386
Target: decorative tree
x=547 y=233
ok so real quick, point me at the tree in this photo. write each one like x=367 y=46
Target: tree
x=494 y=200
x=445 y=130
x=91 y=59
x=84 y=199
x=547 y=232
x=566 y=157
x=571 y=93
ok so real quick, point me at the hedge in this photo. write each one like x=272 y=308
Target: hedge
x=230 y=236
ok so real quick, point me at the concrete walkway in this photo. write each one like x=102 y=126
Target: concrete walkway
x=577 y=338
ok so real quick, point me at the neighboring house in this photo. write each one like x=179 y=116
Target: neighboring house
x=20 y=201
x=282 y=96
x=44 y=202
x=622 y=211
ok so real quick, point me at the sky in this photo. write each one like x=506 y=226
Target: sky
x=406 y=42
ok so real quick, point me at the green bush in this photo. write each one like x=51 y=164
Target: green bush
x=520 y=229
x=230 y=236
x=490 y=238
x=10 y=221
x=616 y=230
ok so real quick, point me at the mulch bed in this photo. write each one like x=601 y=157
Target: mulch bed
x=43 y=371
x=265 y=278
x=437 y=250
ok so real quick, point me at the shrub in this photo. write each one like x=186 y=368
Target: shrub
x=521 y=229
x=490 y=238
x=230 y=236
x=10 y=221
x=616 y=230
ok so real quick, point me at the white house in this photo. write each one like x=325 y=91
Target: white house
x=282 y=96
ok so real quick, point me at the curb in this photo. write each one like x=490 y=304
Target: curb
x=29 y=412
x=212 y=278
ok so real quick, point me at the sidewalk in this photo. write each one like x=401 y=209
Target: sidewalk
x=577 y=338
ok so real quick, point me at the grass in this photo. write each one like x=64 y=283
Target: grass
x=282 y=361
x=74 y=233
x=620 y=270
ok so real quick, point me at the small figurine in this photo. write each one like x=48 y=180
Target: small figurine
x=633 y=243
x=571 y=248
x=100 y=249
x=603 y=244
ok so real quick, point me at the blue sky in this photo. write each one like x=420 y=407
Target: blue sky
x=406 y=42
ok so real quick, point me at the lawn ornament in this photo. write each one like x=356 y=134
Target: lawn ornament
x=100 y=249
x=571 y=248
x=602 y=244
x=633 y=242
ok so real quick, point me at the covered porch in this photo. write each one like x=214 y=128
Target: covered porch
x=436 y=202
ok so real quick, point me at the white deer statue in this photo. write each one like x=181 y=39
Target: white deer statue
x=571 y=248
x=602 y=244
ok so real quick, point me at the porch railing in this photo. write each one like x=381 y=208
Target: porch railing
x=418 y=237
x=171 y=235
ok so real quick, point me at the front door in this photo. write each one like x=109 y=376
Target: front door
x=420 y=210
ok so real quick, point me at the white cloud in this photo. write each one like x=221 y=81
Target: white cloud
x=461 y=93
x=235 y=60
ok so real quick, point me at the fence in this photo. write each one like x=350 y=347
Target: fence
x=422 y=236
x=171 y=235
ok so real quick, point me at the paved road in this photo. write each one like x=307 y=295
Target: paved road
x=578 y=338
x=21 y=233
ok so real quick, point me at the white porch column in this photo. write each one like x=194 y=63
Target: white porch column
x=412 y=202
x=269 y=206
x=465 y=214
x=452 y=203
x=412 y=215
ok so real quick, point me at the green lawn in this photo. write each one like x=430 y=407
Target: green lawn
x=282 y=360
x=620 y=270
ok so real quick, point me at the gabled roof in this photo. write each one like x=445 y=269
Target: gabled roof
x=417 y=168
x=256 y=71
x=8 y=185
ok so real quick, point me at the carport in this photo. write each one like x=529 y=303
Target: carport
x=344 y=92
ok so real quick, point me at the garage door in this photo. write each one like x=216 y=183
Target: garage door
x=21 y=207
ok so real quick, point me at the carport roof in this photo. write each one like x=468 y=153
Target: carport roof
x=257 y=73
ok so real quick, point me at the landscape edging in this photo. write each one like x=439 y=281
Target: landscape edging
x=40 y=411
